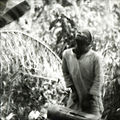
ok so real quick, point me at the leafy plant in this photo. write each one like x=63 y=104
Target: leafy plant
x=65 y=34
x=26 y=85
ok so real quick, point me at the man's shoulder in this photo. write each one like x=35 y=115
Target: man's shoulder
x=67 y=52
x=96 y=54
x=93 y=52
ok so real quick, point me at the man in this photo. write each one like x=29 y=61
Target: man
x=83 y=73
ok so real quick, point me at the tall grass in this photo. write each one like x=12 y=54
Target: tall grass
x=29 y=74
x=18 y=49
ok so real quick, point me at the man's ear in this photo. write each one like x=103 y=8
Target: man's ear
x=116 y=71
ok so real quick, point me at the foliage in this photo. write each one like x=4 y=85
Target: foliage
x=20 y=49
x=23 y=93
x=65 y=28
x=111 y=101
x=30 y=76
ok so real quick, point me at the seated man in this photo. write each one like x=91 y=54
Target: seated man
x=83 y=73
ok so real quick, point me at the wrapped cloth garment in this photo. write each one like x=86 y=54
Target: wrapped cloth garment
x=86 y=75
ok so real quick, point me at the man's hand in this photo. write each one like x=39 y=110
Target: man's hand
x=74 y=93
x=87 y=102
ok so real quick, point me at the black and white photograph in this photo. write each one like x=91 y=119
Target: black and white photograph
x=59 y=59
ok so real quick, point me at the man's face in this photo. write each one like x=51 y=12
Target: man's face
x=81 y=44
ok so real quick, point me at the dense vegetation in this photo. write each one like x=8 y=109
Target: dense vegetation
x=30 y=72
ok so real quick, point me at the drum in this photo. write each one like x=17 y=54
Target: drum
x=56 y=112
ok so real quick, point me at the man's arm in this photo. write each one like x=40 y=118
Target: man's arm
x=96 y=88
x=66 y=74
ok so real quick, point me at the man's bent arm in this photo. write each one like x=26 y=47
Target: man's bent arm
x=67 y=76
x=96 y=88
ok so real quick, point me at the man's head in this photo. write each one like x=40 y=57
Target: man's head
x=83 y=40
